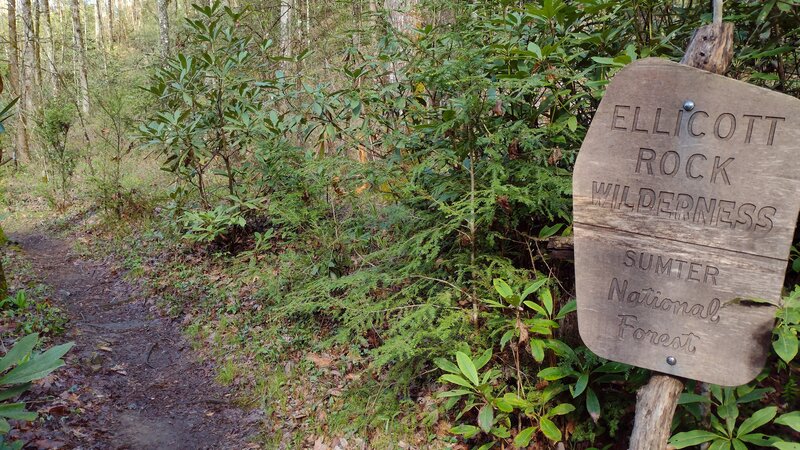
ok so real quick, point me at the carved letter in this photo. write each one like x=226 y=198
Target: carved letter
x=689 y=164
x=772 y=127
x=690 y=125
x=719 y=169
x=731 y=130
x=618 y=116
x=749 y=134
x=646 y=156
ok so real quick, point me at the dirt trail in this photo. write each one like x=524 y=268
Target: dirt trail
x=134 y=376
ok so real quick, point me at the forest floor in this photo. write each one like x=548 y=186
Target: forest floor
x=132 y=380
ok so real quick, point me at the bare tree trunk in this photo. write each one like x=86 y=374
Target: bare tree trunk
x=655 y=406
x=403 y=14
x=286 y=23
x=163 y=26
x=110 y=20
x=37 y=42
x=21 y=135
x=49 y=47
x=29 y=75
x=403 y=19
x=98 y=24
x=80 y=57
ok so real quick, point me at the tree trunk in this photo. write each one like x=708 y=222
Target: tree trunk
x=402 y=14
x=98 y=24
x=80 y=57
x=403 y=19
x=163 y=26
x=29 y=75
x=286 y=23
x=655 y=406
x=21 y=132
x=49 y=47
x=110 y=20
x=37 y=42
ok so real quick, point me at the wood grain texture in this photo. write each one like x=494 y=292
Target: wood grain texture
x=711 y=48
x=678 y=213
x=655 y=406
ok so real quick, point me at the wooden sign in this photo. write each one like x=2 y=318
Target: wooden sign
x=686 y=196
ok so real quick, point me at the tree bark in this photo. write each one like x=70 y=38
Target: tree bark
x=98 y=24
x=49 y=47
x=21 y=129
x=655 y=406
x=402 y=14
x=286 y=25
x=29 y=75
x=403 y=18
x=110 y=20
x=163 y=26
x=37 y=42
x=80 y=57
x=711 y=48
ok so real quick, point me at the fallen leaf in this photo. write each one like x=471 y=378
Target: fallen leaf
x=321 y=362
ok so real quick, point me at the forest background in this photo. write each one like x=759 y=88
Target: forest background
x=348 y=203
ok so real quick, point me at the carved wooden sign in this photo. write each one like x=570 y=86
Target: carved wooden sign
x=686 y=196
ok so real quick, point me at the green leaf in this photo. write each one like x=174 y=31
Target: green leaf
x=548 y=231
x=12 y=392
x=483 y=359
x=534 y=48
x=446 y=365
x=486 y=446
x=568 y=307
x=786 y=445
x=689 y=438
x=467 y=431
x=572 y=123
x=4 y=426
x=547 y=300
x=738 y=445
x=592 y=405
x=453 y=393
x=507 y=337
x=16 y=411
x=720 y=444
x=580 y=385
x=561 y=409
x=523 y=439
x=687 y=398
x=38 y=366
x=560 y=348
x=533 y=287
x=502 y=288
x=553 y=373
x=549 y=429
x=535 y=306
x=537 y=350
x=762 y=440
x=786 y=344
x=455 y=379
x=19 y=351
x=791 y=419
x=486 y=418
x=758 y=419
x=467 y=367
x=503 y=405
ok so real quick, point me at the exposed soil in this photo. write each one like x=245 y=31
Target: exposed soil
x=131 y=381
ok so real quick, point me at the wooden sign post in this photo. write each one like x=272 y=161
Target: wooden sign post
x=686 y=196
